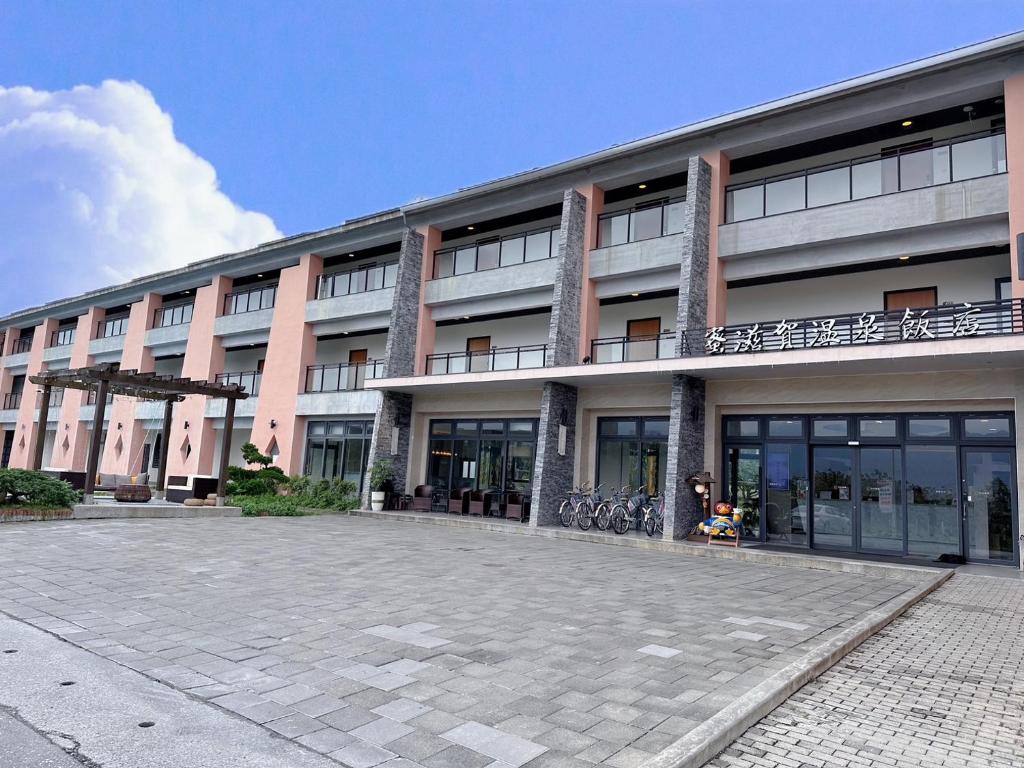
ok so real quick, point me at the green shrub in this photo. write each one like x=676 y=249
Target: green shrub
x=22 y=486
x=255 y=482
x=266 y=505
x=252 y=455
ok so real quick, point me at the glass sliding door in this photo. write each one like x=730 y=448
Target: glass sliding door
x=833 y=506
x=933 y=514
x=786 y=520
x=881 y=500
x=988 y=503
x=632 y=451
x=743 y=475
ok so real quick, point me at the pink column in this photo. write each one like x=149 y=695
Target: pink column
x=590 y=307
x=204 y=359
x=425 y=326
x=716 y=272
x=5 y=375
x=136 y=356
x=292 y=347
x=27 y=431
x=1013 y=103
x=72 y=443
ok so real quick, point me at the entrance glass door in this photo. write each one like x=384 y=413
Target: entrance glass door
x=988 y=503
x=881 y=500
x=743 y=470
x=833 y=506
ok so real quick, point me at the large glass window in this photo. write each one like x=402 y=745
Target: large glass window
x=632 y=451
x=786 y=493
x=494 y=454
x=743 y=473
x=933 y=520
x=338 y=449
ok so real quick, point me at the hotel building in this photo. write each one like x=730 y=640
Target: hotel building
x=817 y=300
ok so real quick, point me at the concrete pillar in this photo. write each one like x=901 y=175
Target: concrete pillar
x=564 y=329
x=556 y=451
x=291 y=349
x=693 y=271
x=5 y=376
x=590 y=306
x=719 y=164
x=683 y=509
x=392 y=437
x=71 y=445
x=27 y=431
x=204 y=359
x=123 y=454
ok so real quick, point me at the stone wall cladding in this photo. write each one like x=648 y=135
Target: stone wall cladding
x=683 y=509
x=693 y=273
x=564 y=333
x=394 y=409
x=552 y=473
x=400 y=352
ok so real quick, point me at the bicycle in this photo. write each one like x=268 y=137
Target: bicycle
x=568 y=510
x=603 y=514
x=654 y=516
x=625 y=515
x=586 y=510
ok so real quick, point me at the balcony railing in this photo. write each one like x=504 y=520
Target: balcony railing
x=12 y=400
x=949 y=321
x=174 y=314
x=535 y=245
x=248 y=380
x=251 y=300
x=359 y=280
x=964 y=157
x=112 y=326
x=21 y=345
x=494 y=359
x=618 y=349
x=56 y=397
x=62 y=337
x=655 y=219
x=342 y=377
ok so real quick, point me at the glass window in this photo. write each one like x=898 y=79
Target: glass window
x=674 y=217
x=786 y=493
x=618 y=427
x=743 y=428
x=440 y=428
x=881 y=500
x=491 y=428
x=987 y=427
x=538 y=246
x=783 y=196
x=520 y=428
x=746 y=203
x=930 y=427
x=488 y=255
x=467 y=428
x=877 y=428
x=465 y=260
x=866 y=179
x=785 y=427
x=654 y=427
x=827 y=187
x=835 y=428
x=743 y=475
x=513 y=251
x=979 y=157
x=444 y=264
x=341 y=453
x=491 y=463
x=933 y=520
x=614 y=230
x=645 y=223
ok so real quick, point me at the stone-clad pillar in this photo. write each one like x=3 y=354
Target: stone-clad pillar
x=692 y=310
x=27 y=430
x=402 y=352
x=391 y=439
x=291 y=349
x=683 y=509
x=72 y=443
x=553 y=469
x=564 y=330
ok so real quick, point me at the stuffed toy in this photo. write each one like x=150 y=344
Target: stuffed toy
x=725 y=522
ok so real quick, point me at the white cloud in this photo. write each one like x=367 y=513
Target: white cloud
x=95 y=189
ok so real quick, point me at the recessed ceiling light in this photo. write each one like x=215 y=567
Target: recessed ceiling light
x=634 y=294
x=642 y=186
x=470 y=227
x=465 y=317
x=260 y=275
x=351 y=255
x=904 y=258
x=969 y=108
x=907 y=123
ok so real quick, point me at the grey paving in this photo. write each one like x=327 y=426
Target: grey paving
x=23 y=747
x=941 y=687
x=379 y=642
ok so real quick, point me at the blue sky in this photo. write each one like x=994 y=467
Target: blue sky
x=313 y=112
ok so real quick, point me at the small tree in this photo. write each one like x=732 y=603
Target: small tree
x=252 y=455
x=381 y=474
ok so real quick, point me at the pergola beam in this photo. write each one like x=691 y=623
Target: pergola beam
x=150 y=386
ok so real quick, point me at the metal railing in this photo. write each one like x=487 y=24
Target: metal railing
x=248 y=380
x=493 y=359
x=62 y=337
x=964 y=157
x=174 y=314
x=250 y=300
x=21 y=345
x=532 y=245
x=359 y=280
x=643 y=222
x=341 y=377
x=12 y=400
x=619 y=349
x=112 y=326
x=949 y=321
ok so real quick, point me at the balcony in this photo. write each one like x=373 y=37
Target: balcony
x=56 y=398
x=360 y=280
x=172 y=315
x=619 y=349
x=111 y=327
x=247 y=380
x=250 y=300
x=62 y=337
x=485 y=255
x=22 y=346
x=951 y=321
x=342 y=377
x=170 y=328
x=12 y=400
x=494 y=359
x=644 y=222
x=109 y=341
x=354 y=299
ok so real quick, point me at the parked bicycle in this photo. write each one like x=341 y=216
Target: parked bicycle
x=603 y=513
x=586 y=510
x=625 y=514
x=654 y=515
x=568 y=511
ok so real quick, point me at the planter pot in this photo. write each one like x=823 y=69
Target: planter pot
x=377 y=500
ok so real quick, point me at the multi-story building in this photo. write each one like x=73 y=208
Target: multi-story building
x=816 y=300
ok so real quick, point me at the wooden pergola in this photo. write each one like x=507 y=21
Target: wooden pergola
x=108 y=379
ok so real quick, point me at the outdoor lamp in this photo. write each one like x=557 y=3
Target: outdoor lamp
x=273 y=423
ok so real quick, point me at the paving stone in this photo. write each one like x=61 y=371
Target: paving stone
x=457 y=757
x=402 y=709
x=498 y=745
x=360 y=754
x=326 y=740
x=659 y=650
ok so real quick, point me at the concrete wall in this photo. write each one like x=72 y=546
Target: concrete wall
x=243 y=360
x=956 y=281
x=507 y=332
x=332 y=351
x=614 y=317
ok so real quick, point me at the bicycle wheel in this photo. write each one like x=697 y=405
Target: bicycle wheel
x=584 y=518
x=619 y=521
x=650 y=521
x=565 y=513
x=603 y=516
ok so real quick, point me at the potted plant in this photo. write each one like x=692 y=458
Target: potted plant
x=381 y=477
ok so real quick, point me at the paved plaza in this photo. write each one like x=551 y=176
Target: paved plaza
x=379 y=642
x=941 y=687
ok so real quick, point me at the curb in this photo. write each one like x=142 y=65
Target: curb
x=912 y=573
x=715 y=734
